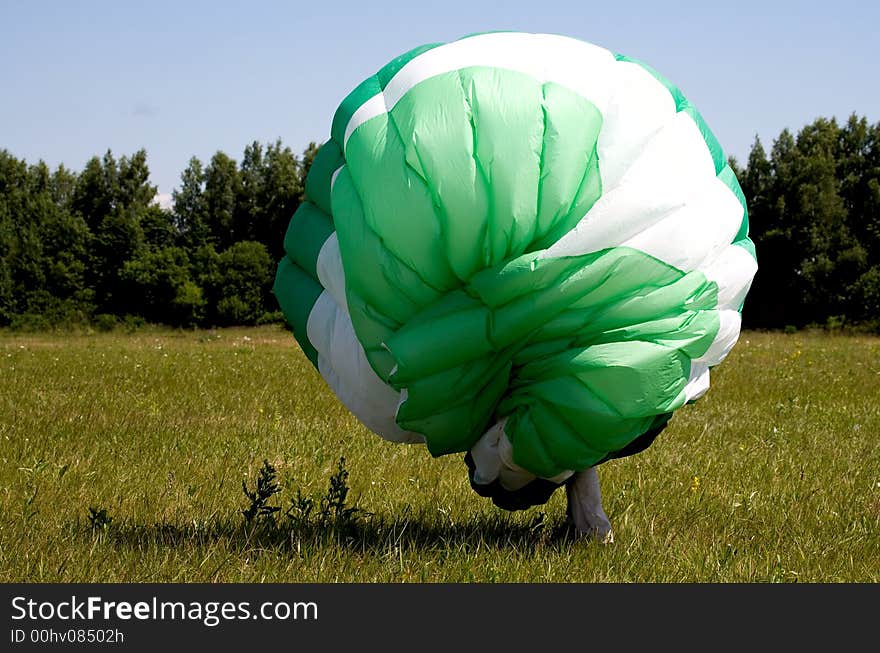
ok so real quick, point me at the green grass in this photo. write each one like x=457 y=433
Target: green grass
x=773 y=476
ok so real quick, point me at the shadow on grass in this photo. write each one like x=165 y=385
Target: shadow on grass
x=365 y=533
x=322 y=522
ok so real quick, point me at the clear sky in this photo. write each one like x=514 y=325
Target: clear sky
x=190 y=78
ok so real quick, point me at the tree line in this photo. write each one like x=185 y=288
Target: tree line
x=94 y=246
x=814 y=215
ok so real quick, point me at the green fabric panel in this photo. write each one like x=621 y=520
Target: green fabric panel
x=558 y=406
x=297 y=293
x=352 y=102
x=603 y=269
x=433 y=123
x=500 y=196
x=434 y=345
x=617 y=325
x=603 y=320
x=370 y=87
x=505 y=304
x=502 y=103
x=530 y=448
x=374 y=328
x=570 y=182
x=317 y=187
x=443 y=388
x=383 y=292
x=608 y=394
x=690 y=294
x=452 y=127
x=690 y=332
x=454 y=418
x=307 y=232
x=611 y=370
x=393 y=67
x=396 y=204
x=372 y=269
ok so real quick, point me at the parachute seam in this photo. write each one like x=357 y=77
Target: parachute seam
x=539 y=197
x=369 y=305
x=547 y=237
x=538 y=441
x=436 y=207
x=383 y=243
x=392 y=121
x=594 y=155
x=562 y=466
x=481 y=171
x=603 y=400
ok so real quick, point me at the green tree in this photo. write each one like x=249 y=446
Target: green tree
x=206 y=272
x=66 y=241
x=308 y=157
x=832 y=259
x=813 y=216
x=270 y=192
x=250 y=203
x=44 y=246
x=13 y=194
x=245 y=279
x=222 y=188
x=159 y=227
x=123 y=192
x=282 y=194
x=94 y=192
x=160 y=280
x=190 y=207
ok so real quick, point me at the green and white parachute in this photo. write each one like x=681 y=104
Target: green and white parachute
x=521 y=246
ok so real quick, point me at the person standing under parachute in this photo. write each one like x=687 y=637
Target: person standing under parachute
x=524 y=248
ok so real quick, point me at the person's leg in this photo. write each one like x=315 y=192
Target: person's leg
x=585 y=510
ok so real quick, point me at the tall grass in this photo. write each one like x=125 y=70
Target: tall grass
x=123 y=458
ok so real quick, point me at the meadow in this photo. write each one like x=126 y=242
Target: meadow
x=124 y=457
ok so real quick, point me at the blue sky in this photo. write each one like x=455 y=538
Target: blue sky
x=188 y=78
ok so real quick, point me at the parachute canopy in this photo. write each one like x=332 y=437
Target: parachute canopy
x=522 y=245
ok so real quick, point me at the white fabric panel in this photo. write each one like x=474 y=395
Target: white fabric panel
x=375 y=106
x=639 y=107
x=487 y=464
x=674 y=166
x=698 y=382
x=697 y=232
x=344 y=366
x=334 y=176
x=733 y=270
x=493 y=459
x=581 y=67
x=330 y=272
x=728 y=333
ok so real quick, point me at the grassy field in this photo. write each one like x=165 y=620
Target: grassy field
x=123 y=457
